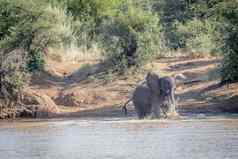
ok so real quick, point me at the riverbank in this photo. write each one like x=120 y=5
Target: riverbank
x=82 y=89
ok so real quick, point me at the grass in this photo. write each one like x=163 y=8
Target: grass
x=77 y=54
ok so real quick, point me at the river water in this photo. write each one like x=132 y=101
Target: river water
x=210 y=138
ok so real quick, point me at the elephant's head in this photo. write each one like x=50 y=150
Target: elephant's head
x=152 y=81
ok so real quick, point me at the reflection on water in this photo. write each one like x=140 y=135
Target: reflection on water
x=131 y=139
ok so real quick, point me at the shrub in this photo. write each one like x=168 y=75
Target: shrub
x=92 y=9
x=88 y=15
x=171 y=11
x=228 y=14
x=26 y=29
x=35 y=61
x=131 y=37
x=199 y=37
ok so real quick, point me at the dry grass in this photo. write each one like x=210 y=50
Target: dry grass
x=76 y=55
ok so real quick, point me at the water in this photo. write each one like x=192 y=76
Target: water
x=116 y=139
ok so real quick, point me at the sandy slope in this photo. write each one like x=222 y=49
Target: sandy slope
x=82 y=90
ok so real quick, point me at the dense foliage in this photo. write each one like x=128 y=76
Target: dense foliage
x=26 y=30
x=131 y=37
x=229 y=15
x=203 y=27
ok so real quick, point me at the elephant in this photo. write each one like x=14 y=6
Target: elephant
x=167 y=89
x=151 y=98
x=146 y=103
x=162 y=96
x=142 y=101
x=155 y=96
x=163 y=93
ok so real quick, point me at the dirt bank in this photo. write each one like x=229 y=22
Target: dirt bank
x=81 y=90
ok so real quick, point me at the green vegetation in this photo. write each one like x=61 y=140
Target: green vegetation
x=27 y=28
x=131 y=37
x=199 y=37
x=229 y=17
x=129 y=33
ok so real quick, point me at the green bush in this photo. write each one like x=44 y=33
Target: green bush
x=92 y=9
x=131 y=37
x=229 y=17
x=170 y=12
x=26 y=29
x=88 y=15
x=35 y=61
x=200 y=37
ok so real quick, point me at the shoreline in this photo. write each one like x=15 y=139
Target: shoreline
x=183 y=116
x=99 y=98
